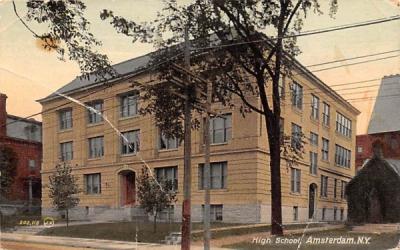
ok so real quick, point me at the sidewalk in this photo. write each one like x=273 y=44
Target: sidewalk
x=89 y=243
x=248 y=237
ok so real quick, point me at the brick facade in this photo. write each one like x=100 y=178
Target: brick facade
x=390 y=146
x=29 y=155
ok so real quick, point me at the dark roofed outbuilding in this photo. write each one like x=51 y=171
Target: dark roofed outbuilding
x=374 y=193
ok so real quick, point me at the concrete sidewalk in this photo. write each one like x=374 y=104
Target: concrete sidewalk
x=89 y=243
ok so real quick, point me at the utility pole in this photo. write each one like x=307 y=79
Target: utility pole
x=207 y=178
x=187 y=174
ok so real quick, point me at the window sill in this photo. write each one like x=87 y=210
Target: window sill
x=65 y=130
x=297 y=110
x=128 y=155
x=168 y=150
x=218 y=144
x=295 y=193
x=89 y=125
x=86 y=194
x=326 y=126
x=215 y=190
x=348 y=138
x=326 y=161
x=96 y=158
x=123 y=118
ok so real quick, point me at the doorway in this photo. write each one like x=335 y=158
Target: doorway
x=127 y=188
x=312 y=201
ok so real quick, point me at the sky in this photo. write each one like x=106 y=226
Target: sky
x=28 y=73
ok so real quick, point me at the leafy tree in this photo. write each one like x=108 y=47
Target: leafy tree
x=245 y=48
x=154 y=196
x=8 y=167
x=63 y=189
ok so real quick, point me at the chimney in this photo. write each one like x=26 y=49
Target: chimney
x=3 y=115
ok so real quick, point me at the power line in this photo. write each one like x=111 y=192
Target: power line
x=310 y=32
x=353 y=58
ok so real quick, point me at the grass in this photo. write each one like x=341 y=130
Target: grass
x=378 y=242
x=124 y=231
x=143 y=232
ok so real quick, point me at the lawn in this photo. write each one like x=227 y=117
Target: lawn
x=377 y=242
x=143 y=232
x=125 y=231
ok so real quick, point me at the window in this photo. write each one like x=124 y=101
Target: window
x=66 y=153
x=295 y=213
x=282 y=87
x=295 y=180
x=65 y=119
x=218 y=172
x=324 y=186
x=335 y=188
x=130 y=142
x=343 y=125
x=221 y=128
x=342 y=156
x=325 y=149
x=343 y=190
x=95 y=117
x=129 y=105
x=96 y=147
x=168 y=143
x=169 y=174
x=93 y=183
x=313 y=163
x=313 y=139
x=341 y=214
x=281 y=130
x=32 y=164
x=359 y=149
x=314 y=107
x=297 y=95
x=335 y=213
x=323 y=213
x=296 y=136
x=326 y=114
x=215 y=212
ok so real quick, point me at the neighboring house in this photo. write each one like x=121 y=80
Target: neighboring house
x=384 y=124
x=24 y=137
x=374 y=193
x=107 y=166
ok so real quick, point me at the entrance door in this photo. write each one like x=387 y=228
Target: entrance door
x=127 y=188
x=311 y=201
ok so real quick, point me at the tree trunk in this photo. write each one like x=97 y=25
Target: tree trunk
x=67 y=216
x=155 y=223
x=275 y=169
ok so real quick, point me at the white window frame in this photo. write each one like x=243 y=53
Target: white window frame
x=163 y=174
x=343 y=125
x=313 y=163
x=296 y=136
x=326 y=114
x=133 y=146
x=129 y=103
x=325 y=149
x=90 y=186
x=66 y=151
x=297 y=95
x=314 y=107
x=314 y=139
x=96 y=147
x=65 y=119
x=226 y=120
x=168 y=143
x=295 y=180
x=94 y=117
x=324 y=186
x=218 y=170
x=342 y=156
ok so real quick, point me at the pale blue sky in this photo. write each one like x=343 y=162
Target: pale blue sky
x=28 y=73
